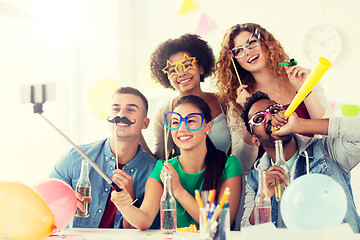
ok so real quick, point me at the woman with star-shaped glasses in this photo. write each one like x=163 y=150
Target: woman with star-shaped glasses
x=182 y=64
x=200 y=166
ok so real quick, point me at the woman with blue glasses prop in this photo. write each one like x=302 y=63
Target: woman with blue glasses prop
x=193 y=121
x=249 y=62
x=182 y=64
x=200 y=166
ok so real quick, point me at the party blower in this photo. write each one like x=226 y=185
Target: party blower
x=38 y=94
x=320 y=69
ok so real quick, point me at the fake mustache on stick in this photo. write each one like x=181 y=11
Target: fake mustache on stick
x=118 y=119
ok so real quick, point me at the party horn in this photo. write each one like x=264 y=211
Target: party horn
x=322 y=66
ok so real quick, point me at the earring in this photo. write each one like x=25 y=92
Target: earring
x=207 y=132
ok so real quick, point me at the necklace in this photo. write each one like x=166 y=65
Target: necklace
x=276 y=93
x=272 y=88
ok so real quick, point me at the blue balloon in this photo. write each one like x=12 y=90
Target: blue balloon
x=313 y=201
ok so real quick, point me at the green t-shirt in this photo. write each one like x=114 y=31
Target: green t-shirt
x=191 y=182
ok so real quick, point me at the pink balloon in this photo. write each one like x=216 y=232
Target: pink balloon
x=61 y=199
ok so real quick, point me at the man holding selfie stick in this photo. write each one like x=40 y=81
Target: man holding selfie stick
x=120 y=157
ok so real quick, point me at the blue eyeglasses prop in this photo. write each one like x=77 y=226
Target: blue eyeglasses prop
x=193 y=121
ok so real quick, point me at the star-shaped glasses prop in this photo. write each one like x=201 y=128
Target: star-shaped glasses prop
x=172 y=68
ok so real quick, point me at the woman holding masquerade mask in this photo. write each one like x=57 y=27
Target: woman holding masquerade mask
x=181 y=64
x=249 y=62
x=199 y=166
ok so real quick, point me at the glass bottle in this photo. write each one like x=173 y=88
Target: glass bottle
x=83 y=187
x=168 y=207
x=280 y=161
x=262 y=209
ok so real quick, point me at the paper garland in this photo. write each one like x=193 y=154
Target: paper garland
x=205 y=25
x=188 y=6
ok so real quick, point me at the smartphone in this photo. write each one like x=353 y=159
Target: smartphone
x=38 y=93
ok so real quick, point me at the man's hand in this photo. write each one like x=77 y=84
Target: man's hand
x=124 y=181
x=272 y=176
x=80 y=200
x=284 y=125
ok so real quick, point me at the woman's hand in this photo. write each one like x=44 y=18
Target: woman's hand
x=121 y=199
x=176 y=185
x=297 y=75
x=124 y=181
x=242 y=95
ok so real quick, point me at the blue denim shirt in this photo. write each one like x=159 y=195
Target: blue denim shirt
x=69 y=166
x=334 y=155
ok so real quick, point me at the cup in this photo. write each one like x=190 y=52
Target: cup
x=202 y=222
x=223 y=229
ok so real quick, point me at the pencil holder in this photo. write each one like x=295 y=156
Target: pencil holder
x=202 y=222
x=223 y=229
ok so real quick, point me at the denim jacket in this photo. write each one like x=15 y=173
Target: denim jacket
x=333 y=155
x=68 y=169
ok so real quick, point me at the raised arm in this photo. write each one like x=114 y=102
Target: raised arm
x=316 y=102
x=342 y=141
x=294 y=124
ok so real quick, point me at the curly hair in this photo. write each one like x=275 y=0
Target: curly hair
x=248 y=104
x=189 y=43
x=227 y=81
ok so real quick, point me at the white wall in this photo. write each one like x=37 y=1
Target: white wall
x=80 y=42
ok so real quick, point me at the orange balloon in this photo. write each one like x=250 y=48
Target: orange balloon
x=24 y=214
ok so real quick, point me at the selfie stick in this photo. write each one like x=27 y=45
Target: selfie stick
x=310 y=82
x=38 y=109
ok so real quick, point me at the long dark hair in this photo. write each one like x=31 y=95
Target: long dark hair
x=215 y=159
